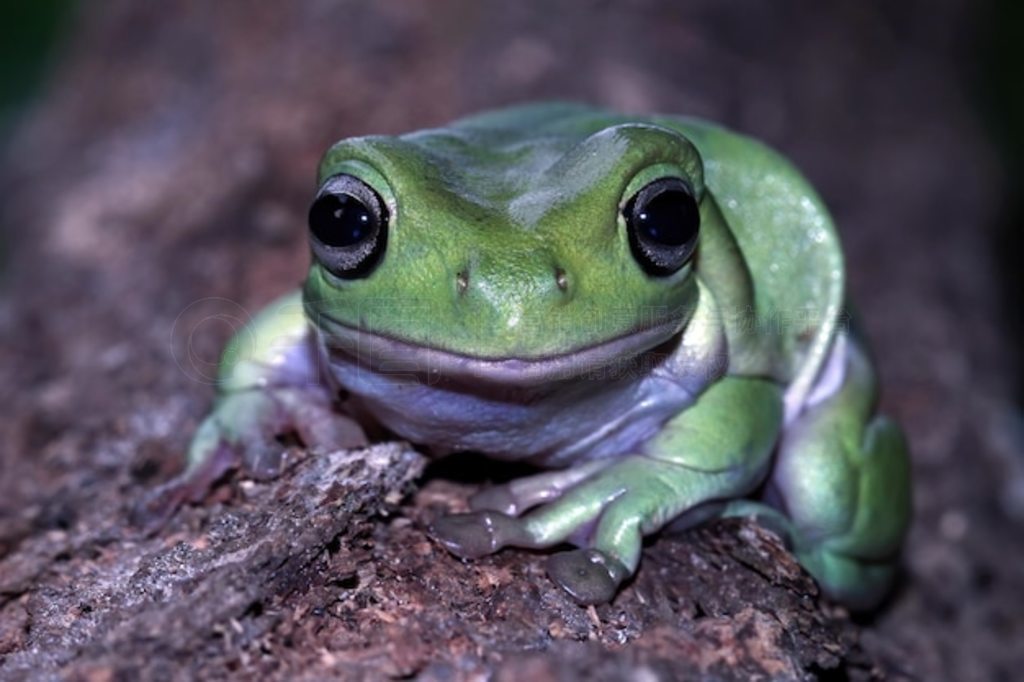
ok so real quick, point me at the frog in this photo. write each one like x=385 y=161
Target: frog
x=650 y=311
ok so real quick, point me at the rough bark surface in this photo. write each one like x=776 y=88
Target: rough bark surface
x=154 y=197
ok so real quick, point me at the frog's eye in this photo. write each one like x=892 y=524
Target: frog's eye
x=663 y=221
x=348 y=226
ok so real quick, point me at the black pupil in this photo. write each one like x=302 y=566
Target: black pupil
x=340 y=220
x=670 y=218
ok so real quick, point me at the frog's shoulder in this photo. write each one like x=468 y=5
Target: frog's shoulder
x=787 y=238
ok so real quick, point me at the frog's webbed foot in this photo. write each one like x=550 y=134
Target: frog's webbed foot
x=603 y=512
x=493 y=524
x=606 y=513
x=159 y=504
x=248 y=431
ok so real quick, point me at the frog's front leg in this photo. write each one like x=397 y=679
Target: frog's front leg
x=717 y=449
x=269 y=386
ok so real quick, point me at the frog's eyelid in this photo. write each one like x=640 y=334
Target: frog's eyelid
x=362 y=170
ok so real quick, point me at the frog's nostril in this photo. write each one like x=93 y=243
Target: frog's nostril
x=561 y=280
x=462 y=280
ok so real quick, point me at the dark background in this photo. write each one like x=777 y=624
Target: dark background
x=156 y=154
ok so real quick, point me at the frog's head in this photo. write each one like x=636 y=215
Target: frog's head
x=508 y=255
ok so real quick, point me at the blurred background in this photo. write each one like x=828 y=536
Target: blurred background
x=156 y=154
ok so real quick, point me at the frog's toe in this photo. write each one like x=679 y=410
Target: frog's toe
x=314 y=420
x=498 y=498
x=259 y=423
x=590 y=576
x=158 y=506
x=263 y=460
x=476 y=534
x=523 y=494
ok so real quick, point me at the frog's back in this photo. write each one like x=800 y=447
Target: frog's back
x=786 y=235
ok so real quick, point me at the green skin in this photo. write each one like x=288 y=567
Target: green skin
x=506 y=296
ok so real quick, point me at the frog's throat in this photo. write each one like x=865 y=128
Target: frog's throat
x=384 y=354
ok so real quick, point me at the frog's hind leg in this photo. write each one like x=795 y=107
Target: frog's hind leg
x=843 y=475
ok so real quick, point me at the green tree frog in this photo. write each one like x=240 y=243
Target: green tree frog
x=650 y=309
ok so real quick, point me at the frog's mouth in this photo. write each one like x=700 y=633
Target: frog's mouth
x=384 y=355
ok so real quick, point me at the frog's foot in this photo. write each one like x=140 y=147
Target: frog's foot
x=607 y=513
x=159 y=504
x=590 y=576
x=248 y=430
